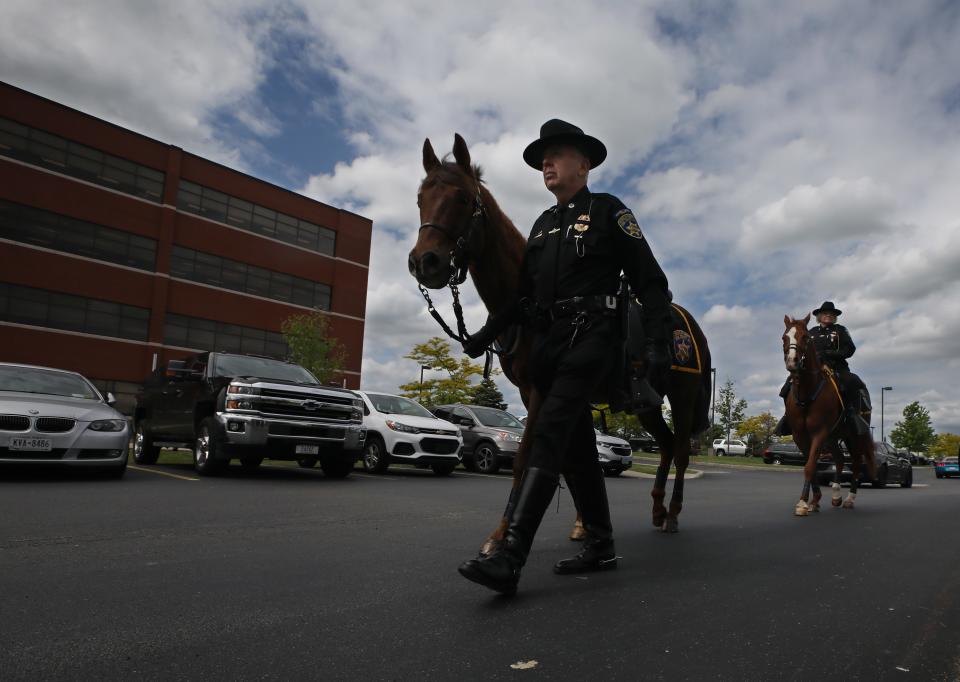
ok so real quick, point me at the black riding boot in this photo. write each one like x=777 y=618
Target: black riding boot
x=645 y=398
x=501 y=570
x=598 y=553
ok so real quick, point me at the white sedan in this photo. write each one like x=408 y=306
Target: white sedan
x=55 y=417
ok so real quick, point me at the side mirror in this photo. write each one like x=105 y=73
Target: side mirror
x=111 y=400
x=466 y=421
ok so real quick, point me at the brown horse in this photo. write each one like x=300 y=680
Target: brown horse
x=463 y=227
x=814 y=412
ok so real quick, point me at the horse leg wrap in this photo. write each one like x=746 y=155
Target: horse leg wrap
x=835 y=494
x=848 y=503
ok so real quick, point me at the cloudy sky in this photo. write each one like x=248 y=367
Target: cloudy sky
x=776 y=154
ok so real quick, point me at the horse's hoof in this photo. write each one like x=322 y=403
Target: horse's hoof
x=658 y=520
x=800 y=509
x=848 y=504
x=814 y=508
x=836 y=502
x=578 y=533
x=671 y=526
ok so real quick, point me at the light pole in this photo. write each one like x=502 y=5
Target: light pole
x=713 y=399
x=882 y=391
x=422 y=367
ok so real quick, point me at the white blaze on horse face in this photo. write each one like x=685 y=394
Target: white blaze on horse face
x=791 y=359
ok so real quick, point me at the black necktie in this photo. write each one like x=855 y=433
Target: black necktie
x=551 y=253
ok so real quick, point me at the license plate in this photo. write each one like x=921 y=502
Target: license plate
x=308 y=449
x=33 y=444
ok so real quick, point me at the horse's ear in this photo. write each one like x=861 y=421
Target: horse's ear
x=806 y=320
x=786 y=320
x=461 y=153
x=430 y=160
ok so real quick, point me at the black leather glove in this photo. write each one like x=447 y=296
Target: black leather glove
x=477 y=344
x=658 y=358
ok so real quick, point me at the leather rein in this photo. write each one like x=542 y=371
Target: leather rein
x=795 y=377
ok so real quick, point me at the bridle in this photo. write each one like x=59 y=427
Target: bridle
x=802 y=351
x=460 y=258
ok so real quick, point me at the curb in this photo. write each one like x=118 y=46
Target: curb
x=692 y=474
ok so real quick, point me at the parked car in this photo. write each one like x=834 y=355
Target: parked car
x=226 y=405
x=54 y=417
x=892 y=467
x=615 y=454
x=644 y=441
x=946 y=467
x=401 y=431
x=491 y=437
x=784 y=453
x=722 y=447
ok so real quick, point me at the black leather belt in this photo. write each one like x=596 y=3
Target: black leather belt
x=584 y=304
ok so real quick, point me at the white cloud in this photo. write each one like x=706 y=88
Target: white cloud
x=722 y=315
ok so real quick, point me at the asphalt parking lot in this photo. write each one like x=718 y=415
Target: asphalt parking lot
x=284 y=574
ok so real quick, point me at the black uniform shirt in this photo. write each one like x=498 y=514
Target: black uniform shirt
x=579 y=249
x=833 y=344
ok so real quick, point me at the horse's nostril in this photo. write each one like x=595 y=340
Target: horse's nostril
x=429 y=262
x=412 y=264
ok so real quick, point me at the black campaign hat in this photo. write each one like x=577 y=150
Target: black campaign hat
x=556 y=131
x=827 y=307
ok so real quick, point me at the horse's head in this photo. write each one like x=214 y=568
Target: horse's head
x=796 y=342
x=451 y=211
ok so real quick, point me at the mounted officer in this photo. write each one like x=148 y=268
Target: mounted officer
x=569 y=282
x=834 y=346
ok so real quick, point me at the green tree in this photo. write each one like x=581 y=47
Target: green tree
x=488 y=394
x=914 y=432
x=758 y=431
x=730 y=410
x=311 y=345
x=455 y=387
x=946 y=445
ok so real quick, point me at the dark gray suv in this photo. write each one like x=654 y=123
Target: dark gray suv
x=491 y=437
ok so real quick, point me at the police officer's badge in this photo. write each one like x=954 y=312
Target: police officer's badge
x=583 y=223
x=682 y=346
x=628 y=224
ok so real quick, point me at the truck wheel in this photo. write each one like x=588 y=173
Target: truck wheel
x=251 y=463
x=336 y=468
x=720 y=453
x=375 y=458
x=144 y=451
x=206 y=448
x=485 y=458
x=307 y=462
x=443 y=469
x=776 y=460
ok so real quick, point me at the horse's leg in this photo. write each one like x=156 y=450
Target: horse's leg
x=837 y=472
x=856 y=457
x=655 y=425
x=809 y=472
x=492 y=543
x=683 y=406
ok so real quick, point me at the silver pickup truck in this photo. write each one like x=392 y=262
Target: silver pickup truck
x=227 y=406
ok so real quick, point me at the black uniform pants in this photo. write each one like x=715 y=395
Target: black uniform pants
x=567 y=378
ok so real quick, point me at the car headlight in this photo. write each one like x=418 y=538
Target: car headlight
x=358 y=403
x=108 y=425
x=243 y=389
x=397 y=426
x=508 y=436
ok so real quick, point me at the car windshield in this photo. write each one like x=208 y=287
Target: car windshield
x=46 y=382
x=950 y=460
x=263 y=368
x=489 y=416
x=394 y=404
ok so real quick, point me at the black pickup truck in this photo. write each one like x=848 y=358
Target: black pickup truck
x=225 y=405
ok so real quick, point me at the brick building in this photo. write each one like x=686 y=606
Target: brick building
x=119 y=252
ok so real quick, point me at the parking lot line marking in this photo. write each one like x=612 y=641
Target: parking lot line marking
x=162 y=473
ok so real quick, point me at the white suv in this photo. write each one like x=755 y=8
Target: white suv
x=735 y=447
x=401 y=431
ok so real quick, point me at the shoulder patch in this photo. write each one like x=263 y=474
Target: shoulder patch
x=628 y=223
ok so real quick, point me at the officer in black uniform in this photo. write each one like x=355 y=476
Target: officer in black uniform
x=568 y=297
x=834 y=346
